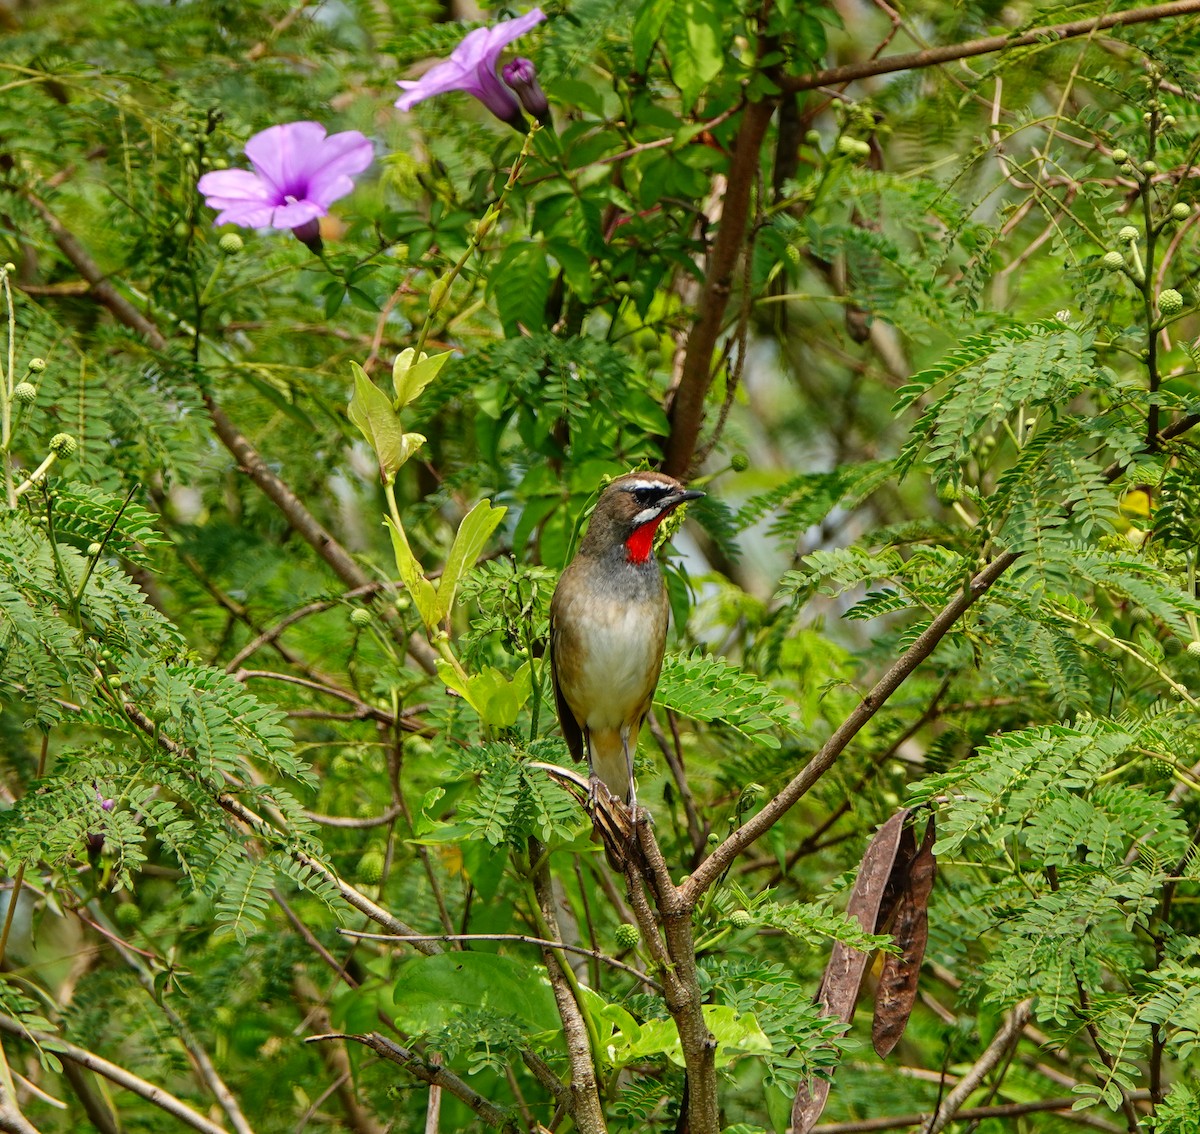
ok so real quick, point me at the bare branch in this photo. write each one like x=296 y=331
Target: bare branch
x=1003 y=1041
x=432 y=1073
x=948 y=53
x=584 y=1104
x=1000 y=1110
x=718 y=862
x=162 y=1099
x=595 y=954
x=687 y=407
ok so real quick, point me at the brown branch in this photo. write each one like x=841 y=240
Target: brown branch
x=683 y=996
x=718 y=862
x=1003 y=1041
x=1000 y=1110
x=687 y=407
x=584 y=1100
x=299 y=518
x=432 y=1073
x=160 y=1098
x=948 y=53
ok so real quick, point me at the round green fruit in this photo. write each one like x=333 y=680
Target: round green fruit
x=627 y=936
x=370 y=868
x=1170 y=302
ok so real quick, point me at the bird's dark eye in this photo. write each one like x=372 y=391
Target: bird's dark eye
x=650 y=493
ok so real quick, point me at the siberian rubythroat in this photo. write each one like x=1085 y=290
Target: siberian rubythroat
x=608 y=627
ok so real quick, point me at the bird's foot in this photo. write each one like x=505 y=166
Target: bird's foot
x=613 y=820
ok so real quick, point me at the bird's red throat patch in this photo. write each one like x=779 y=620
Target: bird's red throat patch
x=640 y=544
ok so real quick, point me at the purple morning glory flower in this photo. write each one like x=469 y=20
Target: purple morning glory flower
x=472 y=68
x=298 y=173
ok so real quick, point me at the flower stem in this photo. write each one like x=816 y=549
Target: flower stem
x=34 y=477
x=441 y=287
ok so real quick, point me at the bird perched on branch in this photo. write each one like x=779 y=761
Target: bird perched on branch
x=608 y=628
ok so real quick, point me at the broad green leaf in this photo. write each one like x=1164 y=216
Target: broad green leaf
x=490 y=693
x=371 y=410
x=646 y=28
x=431 y=991
x=692 y=34
x=419 y=587
x=475 y=530
x=410 y=378
x=630 y=1042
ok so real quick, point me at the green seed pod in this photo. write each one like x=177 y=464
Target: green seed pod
x=813 y=137
x=25 y=393
x=63 y=445
x=370 y=868
x=739 y=462
x=950 y=493
x=1128 y=234
x=1193 y=649
x=1148 y=167
x=741 y=919
x=231 y=244
x=627 y=936
x=1113 y=261
x=37 y=365
x=1170 y=302
x=1180 y=211
x=360 y=617
x=1168 y=121
x=1120 y=156
x=187 y=149
x=94 y=549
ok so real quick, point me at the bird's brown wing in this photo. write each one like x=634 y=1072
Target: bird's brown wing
x=571 y=731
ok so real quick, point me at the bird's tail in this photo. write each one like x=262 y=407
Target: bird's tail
x=608 y=763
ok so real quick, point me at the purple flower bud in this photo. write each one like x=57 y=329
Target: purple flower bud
x=309 y=234
x=107 y=804
x=521 y=75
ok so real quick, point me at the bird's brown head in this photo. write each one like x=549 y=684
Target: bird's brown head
x=629 y=511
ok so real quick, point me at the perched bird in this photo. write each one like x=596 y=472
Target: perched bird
x=608 y=627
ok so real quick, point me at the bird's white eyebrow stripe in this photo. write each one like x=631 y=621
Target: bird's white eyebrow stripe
x=634 y=485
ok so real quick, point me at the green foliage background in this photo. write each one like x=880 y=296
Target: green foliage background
x=958 y=346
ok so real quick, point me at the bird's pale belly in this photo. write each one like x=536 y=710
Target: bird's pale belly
x=616 y=672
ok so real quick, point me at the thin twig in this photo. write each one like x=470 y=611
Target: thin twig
x=431 y=1073
x=525 y=938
